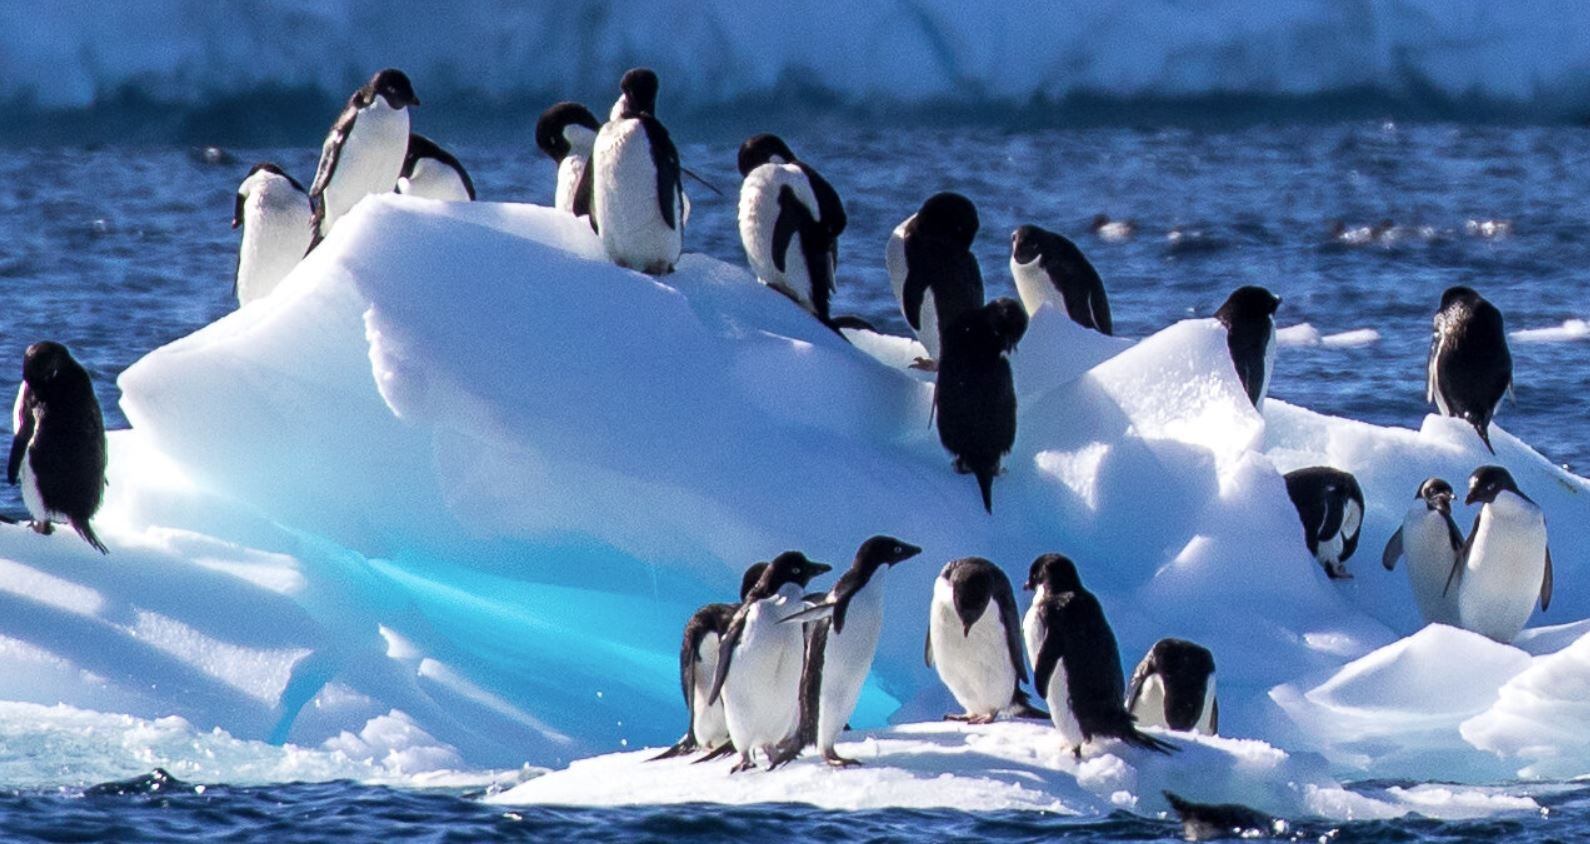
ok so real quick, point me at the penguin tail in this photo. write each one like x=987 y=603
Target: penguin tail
x=1485 y=435
x=1182 y=805
x=854 y=323
x=985 y=482
x=85 y=530
x=686 y=744
x=1122 y=727
x=1021 y=707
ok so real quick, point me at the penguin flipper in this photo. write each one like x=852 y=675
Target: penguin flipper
x=726 y=646
x=1462 y=560
x=816 y=613
x=1388 y=558
x=927 y=649
x=793 y=217
x=1010 y=619
x=1545 y=584
x=1214 y=717
x=1050 y=653
x=914 y=292
x=811 y=689
x=1145 y=669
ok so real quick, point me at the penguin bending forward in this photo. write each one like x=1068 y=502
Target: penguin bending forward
x=1049 y=268
x=1331 y=506
x=566 y=132
x=433 y=173
x=973 y=642
x=364 y=151
x=638 y=204
x=273 y=210
x=790 y=222
x=1505 y=564
x=1249 y=317
x=1174 y=687
x=932 y=270
x=58 y=449
x=1431 y=541
x=1470 y=366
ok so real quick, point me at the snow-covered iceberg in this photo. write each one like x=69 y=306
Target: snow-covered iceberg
x=444 y=500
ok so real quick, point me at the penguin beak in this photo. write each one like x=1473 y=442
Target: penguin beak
x=819 y=568
x=1473 y=496
x=907 y=552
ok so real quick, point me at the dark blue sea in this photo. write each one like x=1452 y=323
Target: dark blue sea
x=115 y=250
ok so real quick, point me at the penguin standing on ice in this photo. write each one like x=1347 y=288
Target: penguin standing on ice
x=1331 y=506
x=1048 y=267
x=638 y=204
x=273 y=210
x=1470 y=366
x=1077 y=669
x=973 y=641
x=934 y=274
x=1249 y=317
x=433 y=173
x=760 y=660
x=1431 y=541
x=566 y=132
x=975 y=395
x=1505 y=565
x=846 y=625
x=58 y=448
x=790 y=222
x=364 y=152
x=1174 y=687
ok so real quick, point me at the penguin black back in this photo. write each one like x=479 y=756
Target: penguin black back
x=549 y=127
x=939 y=259
x=1184 y=669
x=60 y=433
x=1471 y=367
x=1248 y=315
x=421 y=147
x=975 y=395
x=1069 y=272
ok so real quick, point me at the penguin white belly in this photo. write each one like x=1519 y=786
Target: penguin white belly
x=1150 y=707
x=761 y=695
x=31 y=497
x=1427 y=545
x=433 y=180
x=624 y=201
x=847 y=660
x=707 y=722
x=1034 y=286
x=894 y=259
x=1032 y=627
x=1506 y=563
x=370 y=160
x=1206 y=718
x=569 y=171
x=276 y=234
x=759 y=215
x=1059 y=700
x=975 y=665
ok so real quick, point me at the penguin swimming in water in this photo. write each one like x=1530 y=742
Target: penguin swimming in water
x=1249 y=317
x=1048 y=267
x=638 y=204
x=273 y=210
x=1077 y=667
x=1431 y=541
x=364 y=152
x=760 y=660
x=58 y=446
x=974 y=398
x=934 y=274
x=974 y=642
x=790 y=222
x=846 y=625
x=1470 y=366
x=1174 y=687
x=432 y=172
x=1331 y=506
x=1505 y=564
x=566 y=132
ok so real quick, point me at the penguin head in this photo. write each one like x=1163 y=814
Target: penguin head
x=1027 y=243
x=1008 y=319
x=948 y=216
x=393 y=86
x=1487 y=482
x=763 y=149
x=752 y=574
x=1460 y=296
x=788 y=567
x=552 y=128
x=640 y=91
x=1437 y=495
x=884 y=551
x=1249 y=302
x=1055 y=573
x=254 y=178
x=46 y=365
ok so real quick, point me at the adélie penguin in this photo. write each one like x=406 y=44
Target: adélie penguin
x=638 y=204
x=273 y=211
x=1431 y=541
x=58 y=446
x=1249 y=317
x=363 y=153
x=846 y=625
x=790 y=222
x=974 y=398
x=433 y=173
x=932 y=270
x=1470 y=366
x=1174 y=687
x=760 y=660
x=1049 y=268
x=1505 y=565
x=566 y=132
x=1330 y=504
x=974 y=642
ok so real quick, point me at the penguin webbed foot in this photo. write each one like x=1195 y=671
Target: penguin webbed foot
x=42 y=528
x=960 y=467
x=784 y=753
x=925 y=365
x=745 y=764
x=971 y=718
x=834 y=760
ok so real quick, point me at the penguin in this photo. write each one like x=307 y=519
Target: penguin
x=1174 y=687
x=1331 y=506
x=637 y=203
x=1049 y=574
x=1249 y=317
x=973 y=642
x=1431 y=541
x=846 y=624
x=363 y=153
x=1220 y=821
x=760 y=661
x=58 y=447
x=1505 y=564
x=566 y=132
x=1048 y=267
x=790 y=222
x=934 y=274
x=273 y=210
x=432 y=172
x=1077 y=669
x=1470 y=366
x=974 y=398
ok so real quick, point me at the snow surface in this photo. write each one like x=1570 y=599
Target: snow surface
x=444 y=501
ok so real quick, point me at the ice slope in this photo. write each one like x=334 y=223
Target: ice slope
x=69 y=54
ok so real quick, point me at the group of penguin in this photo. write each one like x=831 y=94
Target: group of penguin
x=781 y=670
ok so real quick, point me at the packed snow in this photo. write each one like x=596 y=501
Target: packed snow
x=444 y=500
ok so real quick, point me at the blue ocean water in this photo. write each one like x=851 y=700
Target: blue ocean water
x=115 y=250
